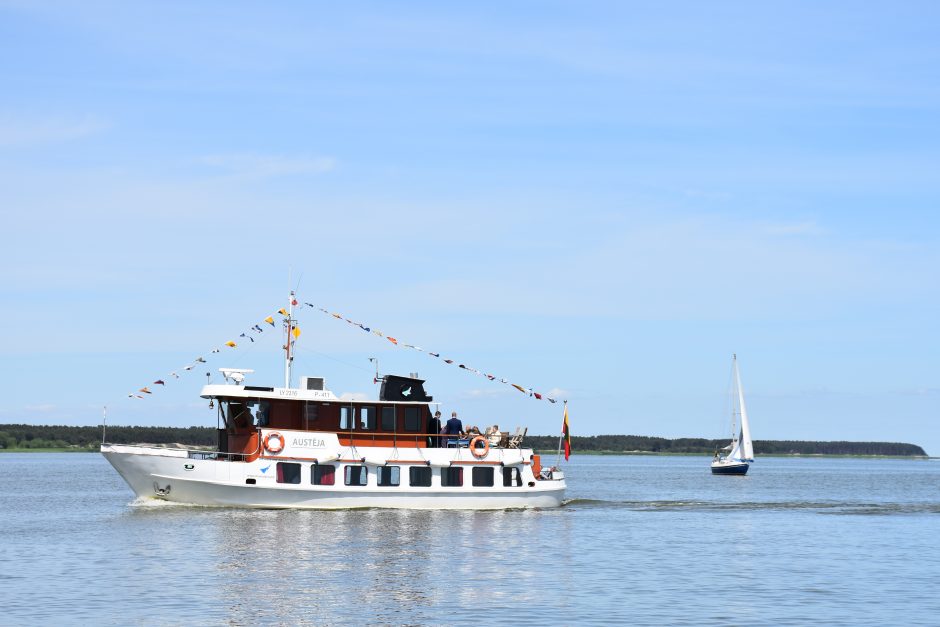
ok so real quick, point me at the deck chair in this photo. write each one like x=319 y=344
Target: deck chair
x=516 y=440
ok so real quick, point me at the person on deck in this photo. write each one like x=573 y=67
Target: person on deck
x=494 y=435
x=434 y=428
x=453 y=428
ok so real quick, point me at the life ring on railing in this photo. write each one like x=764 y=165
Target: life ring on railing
x=277 y=445
x=479 y=453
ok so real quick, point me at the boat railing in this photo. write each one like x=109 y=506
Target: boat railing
x=434 y=440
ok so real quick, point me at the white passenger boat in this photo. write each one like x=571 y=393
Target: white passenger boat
x=304 y=447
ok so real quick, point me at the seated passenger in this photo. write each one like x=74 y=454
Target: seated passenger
x=494 y=435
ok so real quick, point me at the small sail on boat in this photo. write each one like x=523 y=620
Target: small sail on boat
x=740 y=452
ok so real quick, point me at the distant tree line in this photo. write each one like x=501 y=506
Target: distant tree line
x=647 y=444
x=37 y=436
x=40 y=436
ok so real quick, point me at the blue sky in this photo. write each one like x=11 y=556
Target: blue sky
x=601 y=199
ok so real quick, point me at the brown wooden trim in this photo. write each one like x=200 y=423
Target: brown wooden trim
x=293 y=459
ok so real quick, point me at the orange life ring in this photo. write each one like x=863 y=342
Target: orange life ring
x=479 y=453
x=277 y=446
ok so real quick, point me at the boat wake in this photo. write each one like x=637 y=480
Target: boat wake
x=819 y=507
x=150 y=503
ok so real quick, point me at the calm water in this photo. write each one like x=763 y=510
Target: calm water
x=645 y=540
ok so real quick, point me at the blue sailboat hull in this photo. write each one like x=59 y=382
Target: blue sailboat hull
x=730 y=469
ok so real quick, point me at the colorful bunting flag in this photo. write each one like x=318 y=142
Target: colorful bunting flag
x=231 y=343
x=529 y=391
x=145 y=390
x=282 y=311
x=269 y=320
x=296 y=332
x=159 y=382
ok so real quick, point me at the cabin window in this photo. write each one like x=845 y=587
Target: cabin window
x=238 y=415
x=367 y=418
x=346 y=418
x=483 y=477
x=323 y=475
x=388 y=419
x=288 y=472
x=261 y=411
x=388 y=475
x=512 y=477
x=420 y=476
x=452 y=477
x=311 y=412
x=411 y=419
x=356 y=475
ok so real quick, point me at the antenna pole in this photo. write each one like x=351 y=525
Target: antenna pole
x=288 y=325
x=104 y=422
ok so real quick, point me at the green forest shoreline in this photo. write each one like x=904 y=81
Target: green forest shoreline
x=30 y=438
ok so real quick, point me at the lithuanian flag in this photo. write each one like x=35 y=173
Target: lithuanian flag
x=566 y=433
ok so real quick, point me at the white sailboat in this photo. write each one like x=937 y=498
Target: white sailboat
x=740 y=453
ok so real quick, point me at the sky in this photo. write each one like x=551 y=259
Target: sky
x=602 y=201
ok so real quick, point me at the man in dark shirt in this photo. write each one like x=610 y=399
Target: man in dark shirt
x=453 y=427
x=434 y=430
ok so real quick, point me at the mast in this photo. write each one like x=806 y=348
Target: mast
x=735 y=452
x=288 y=344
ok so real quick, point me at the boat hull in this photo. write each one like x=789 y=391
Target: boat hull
x=172 y=475
x=732 y=468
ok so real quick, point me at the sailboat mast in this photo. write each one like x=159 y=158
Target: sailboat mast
x=734 y=400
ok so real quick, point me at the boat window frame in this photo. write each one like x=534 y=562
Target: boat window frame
x=386 y=410
x=478 y=477
x=318 y=471
x=366 y=410
x=394 y=473
x=347 y=473
x=280 y=473
x=512 y=477
x=417 y=416
x=448 y=473
x=347 y=417
x=308 y=406
x=420 y=472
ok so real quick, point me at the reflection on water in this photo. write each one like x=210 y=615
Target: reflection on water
x=641 y=541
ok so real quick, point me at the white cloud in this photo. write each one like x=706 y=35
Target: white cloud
x=267 y=166
x=43 y=409
x=798 y=228
x=20 y=132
